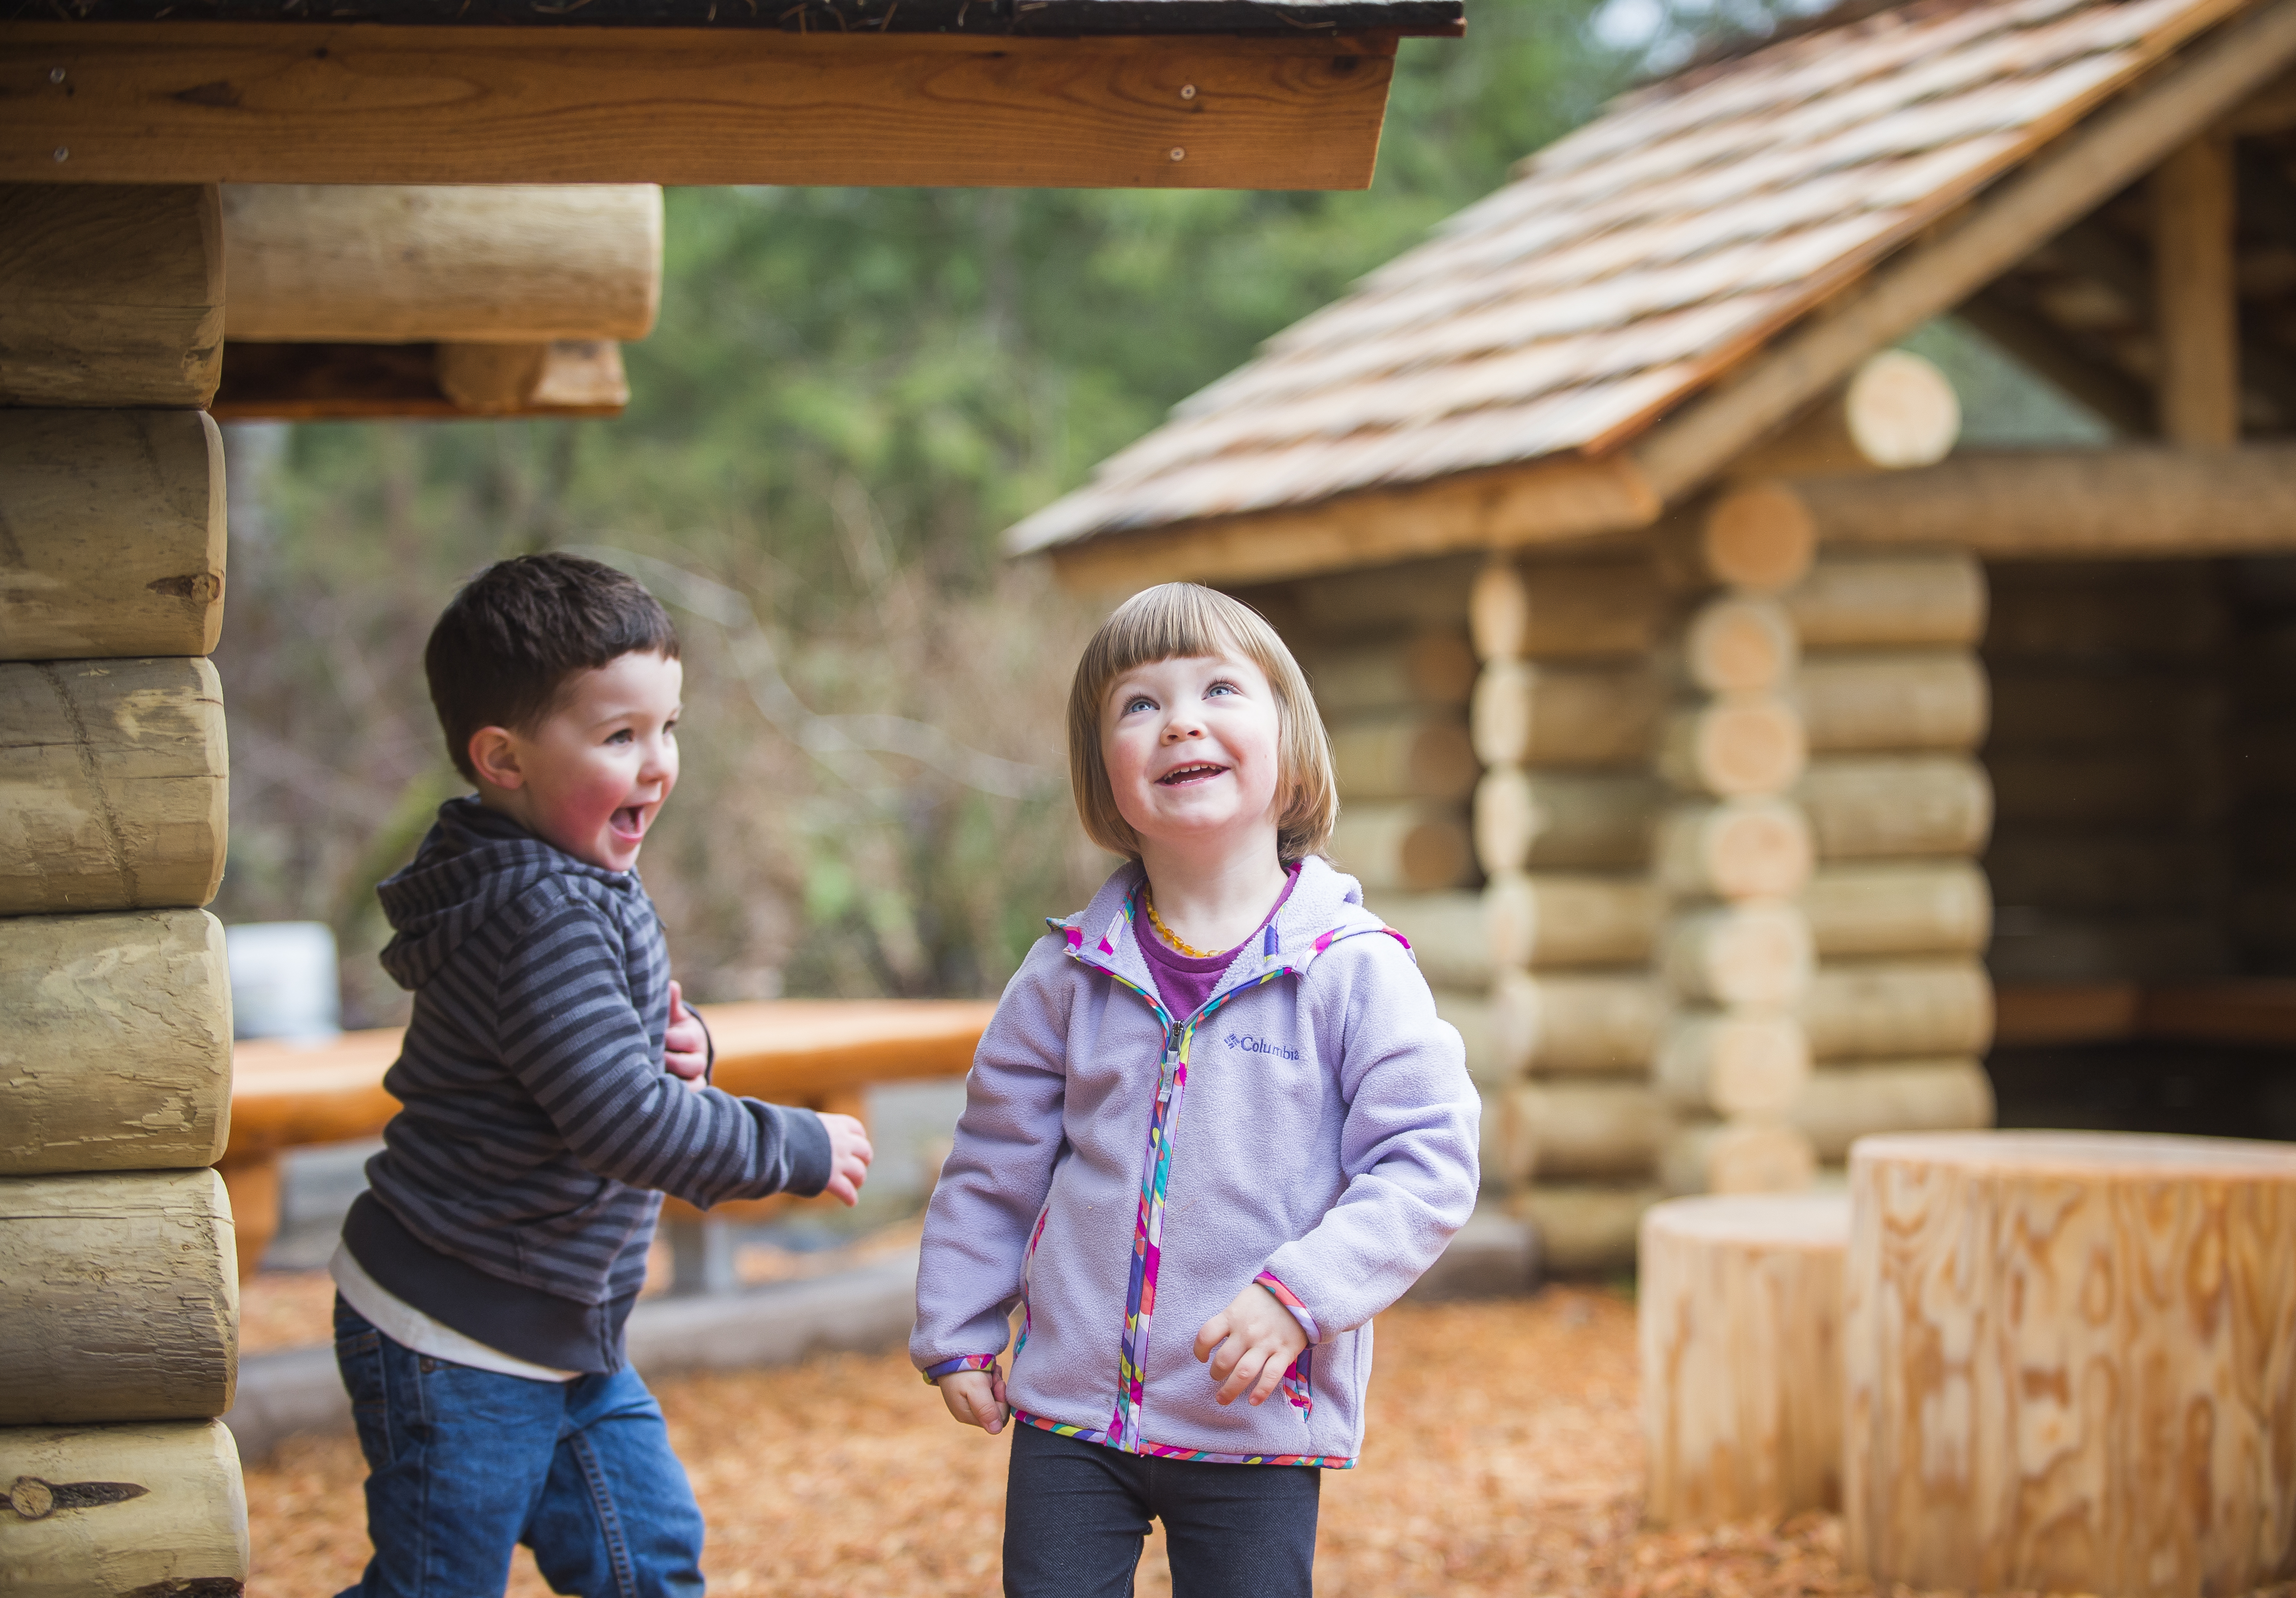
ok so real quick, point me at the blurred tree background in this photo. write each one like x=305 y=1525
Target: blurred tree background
x=849 y=395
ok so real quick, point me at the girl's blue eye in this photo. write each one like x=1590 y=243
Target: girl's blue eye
x=1142 y=702
x=1221 y=688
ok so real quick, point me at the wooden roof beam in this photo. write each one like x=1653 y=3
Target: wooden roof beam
x=206 y=102
x=2195 y=311
x=2130 y=501
x=2081 y=171
x=392 y=264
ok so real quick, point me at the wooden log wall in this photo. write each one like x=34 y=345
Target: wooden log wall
x=2111 y=727
x=2258 y=860
x=118 y=1277
x=1899 y=1010
x=1735 y=954
x=1571 y=699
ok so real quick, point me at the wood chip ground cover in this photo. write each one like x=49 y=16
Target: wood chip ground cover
x=1504 y=1458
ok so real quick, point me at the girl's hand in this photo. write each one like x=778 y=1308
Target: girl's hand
x=976 y=1398
x=1258 y=1340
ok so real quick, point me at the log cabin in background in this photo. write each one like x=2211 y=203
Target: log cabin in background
x=118 y=232
x=1800 y=744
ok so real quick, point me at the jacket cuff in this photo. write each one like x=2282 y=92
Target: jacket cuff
x=809 y=1151
x=1290 y=1300
x=962 y=1362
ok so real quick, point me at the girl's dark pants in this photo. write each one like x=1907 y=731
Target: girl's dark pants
x=1077 y=1513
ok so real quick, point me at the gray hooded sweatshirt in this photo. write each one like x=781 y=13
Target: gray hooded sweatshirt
x=1121 y=1174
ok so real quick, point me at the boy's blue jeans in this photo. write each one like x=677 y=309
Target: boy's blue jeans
x=463 y=1465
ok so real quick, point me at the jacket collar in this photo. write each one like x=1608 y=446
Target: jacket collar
x=1325 y=905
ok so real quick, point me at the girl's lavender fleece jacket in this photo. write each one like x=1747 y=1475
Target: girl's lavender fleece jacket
x=1122 y=1173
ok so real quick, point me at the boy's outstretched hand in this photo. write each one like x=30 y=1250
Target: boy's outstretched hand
x=976 y=1397
x=686 y=1046
x=1256 y=1339
x=850 y=1154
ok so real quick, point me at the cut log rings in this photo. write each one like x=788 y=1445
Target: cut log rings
x=1739 y=1303
x=2068 y=1363
x=115 y=771
x=110 y=294
x=122 y=1512
x=120 y=1297
x=115 y=533
x=117 y=1050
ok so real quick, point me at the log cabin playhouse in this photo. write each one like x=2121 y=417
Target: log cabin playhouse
x=1732 y=752
x=358 y=287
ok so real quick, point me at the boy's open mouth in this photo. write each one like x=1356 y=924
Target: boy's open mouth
x=629 y=822
x=1188 y=774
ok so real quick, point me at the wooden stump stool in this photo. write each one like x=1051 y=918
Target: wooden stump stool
x=1740 y=1303
x=2071 y=1362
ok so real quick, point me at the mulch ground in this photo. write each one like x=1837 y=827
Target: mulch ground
x=1504 y=1457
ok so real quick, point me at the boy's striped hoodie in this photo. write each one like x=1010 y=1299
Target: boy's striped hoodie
x=1121 y=1174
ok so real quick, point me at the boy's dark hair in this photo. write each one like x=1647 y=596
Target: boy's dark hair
x=507 y=644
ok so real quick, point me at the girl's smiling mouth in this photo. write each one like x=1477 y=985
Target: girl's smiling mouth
x=628 y=823
x=1200 y=772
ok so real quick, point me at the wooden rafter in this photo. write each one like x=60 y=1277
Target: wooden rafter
x=185 y=102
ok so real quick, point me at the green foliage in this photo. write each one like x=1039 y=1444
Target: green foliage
x=850 y=394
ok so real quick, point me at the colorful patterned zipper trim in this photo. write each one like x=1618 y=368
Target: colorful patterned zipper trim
x=962 y=1362
x=1085 y=1434
x=1029 y=1258
x=1299 y=1375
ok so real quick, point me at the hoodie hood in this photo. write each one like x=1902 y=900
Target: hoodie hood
x=1325 y=905
x=473 y=862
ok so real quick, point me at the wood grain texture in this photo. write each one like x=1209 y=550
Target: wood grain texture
x=1881 y=1009
x=1735 y=1156
x=1564 y=716
x=2129 y=500
x=1877 y=807
x=2071 y=1363
x=254 y=102
x=496 y=263
x=1606 y=610
x=1941 y=907
x=1406 y=754
x=111 y=533
x=1732 y=746
x=116 y=1052
x=111 y=785
x=1839 y=1104
x=182 y=1532
x=1580 y=1129
x=1874 y=699
x=1563 y=819
x=1434 y=668
x=1756 y=953
x=1545 y=920
x=1896 y=411
x=1735 y=644
x=2195 y=308
x=1880 y=600
x=1757 y=848
x=1733 y=1064
x=1404 y=846
x=110 y=295
x=1569 y=1024
x=1738 y=1305
x=120 y=1296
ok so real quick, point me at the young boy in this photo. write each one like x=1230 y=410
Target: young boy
x=553 y=1087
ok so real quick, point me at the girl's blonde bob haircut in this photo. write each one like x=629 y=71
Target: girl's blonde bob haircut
x=1179 y=620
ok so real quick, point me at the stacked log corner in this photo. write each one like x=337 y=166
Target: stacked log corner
x=119 y=1279
x=1566 y=707
x=1895 y=701
x=1735 y=952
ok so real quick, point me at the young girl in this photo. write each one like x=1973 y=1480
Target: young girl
x=1214 y=1129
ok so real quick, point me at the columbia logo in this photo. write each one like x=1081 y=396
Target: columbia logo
x=1260 y=1046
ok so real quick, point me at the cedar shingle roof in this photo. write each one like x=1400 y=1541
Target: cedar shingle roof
x=1630 y=263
